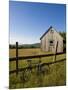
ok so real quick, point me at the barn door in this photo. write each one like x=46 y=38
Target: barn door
x=51 y=45
x=51 y=48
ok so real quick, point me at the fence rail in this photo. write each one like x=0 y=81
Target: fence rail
x=17 y=58
x=43 y=64
x=34 y=56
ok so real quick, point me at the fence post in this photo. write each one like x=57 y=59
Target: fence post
x=56 y=51
x=55 y=64
x=16 y=58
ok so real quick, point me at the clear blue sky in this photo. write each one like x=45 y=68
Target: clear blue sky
x=28 y=21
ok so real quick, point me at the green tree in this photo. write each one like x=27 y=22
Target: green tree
x=63 y=34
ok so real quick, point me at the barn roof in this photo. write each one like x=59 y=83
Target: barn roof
x=47 y=32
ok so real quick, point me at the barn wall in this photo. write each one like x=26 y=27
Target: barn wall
x=56 y=37
x=44 y=44
x=60 y=42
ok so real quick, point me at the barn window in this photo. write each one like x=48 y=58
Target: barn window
x=52 y=31
x=51 y=43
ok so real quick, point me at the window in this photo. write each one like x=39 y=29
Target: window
x=52 y=31
x=51 y=43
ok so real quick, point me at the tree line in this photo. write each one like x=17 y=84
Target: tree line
x=37 y=45
x=63 y=34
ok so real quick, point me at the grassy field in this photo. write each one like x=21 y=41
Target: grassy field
x=26 y=52
x=54 y=74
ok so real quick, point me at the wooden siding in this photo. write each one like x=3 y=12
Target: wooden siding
x=55 y=36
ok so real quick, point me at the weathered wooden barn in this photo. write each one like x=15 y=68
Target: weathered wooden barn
x=49 y=40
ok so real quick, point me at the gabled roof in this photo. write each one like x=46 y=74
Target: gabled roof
x=47 y=32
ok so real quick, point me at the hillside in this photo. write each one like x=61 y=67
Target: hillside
x=35 y=45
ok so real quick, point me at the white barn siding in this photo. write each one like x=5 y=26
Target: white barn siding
x=45 y=41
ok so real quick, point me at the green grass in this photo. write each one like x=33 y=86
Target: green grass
x=26 y=52
x=55 y=76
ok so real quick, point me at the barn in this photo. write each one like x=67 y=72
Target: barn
x=49 y=41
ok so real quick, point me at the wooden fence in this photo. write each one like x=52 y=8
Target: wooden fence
x=17 y=58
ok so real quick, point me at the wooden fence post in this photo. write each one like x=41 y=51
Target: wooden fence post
x=55 y=64
x=16 y=58
x=56 y=51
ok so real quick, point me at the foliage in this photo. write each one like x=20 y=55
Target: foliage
x=51 y=75
x=63 y=34
x=36 y=45
x=55 y=77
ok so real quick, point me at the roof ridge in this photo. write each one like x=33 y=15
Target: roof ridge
x=46 y=32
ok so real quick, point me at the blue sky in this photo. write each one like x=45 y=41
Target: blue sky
x=28 y=21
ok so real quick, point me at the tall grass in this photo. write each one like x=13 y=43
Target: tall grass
x=52 y=75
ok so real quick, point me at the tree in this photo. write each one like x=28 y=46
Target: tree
x=63 y=34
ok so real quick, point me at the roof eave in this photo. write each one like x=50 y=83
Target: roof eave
x=45 y=32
